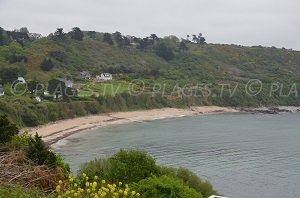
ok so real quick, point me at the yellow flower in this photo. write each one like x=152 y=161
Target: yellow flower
x=58 y=196
x=133 y=193
x=68 y=192
x=83 y=175
x=75 y=194
x=94 y=184
x=103 y=181
x=75 y=185
x=120 y=192
x=120 y=183
x=96 y=177
x=60 y=182
x=125 y=193
x=137 y=194
x=87 y=184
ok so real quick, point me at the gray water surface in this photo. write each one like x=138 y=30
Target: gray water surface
x=243 y=155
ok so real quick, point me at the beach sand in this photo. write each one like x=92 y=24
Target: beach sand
x=55 y=131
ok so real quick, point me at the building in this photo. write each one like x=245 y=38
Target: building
x=34 y=35
x=104 y=77
x=85 y=75
x=1 y=90
x=21 y=80
x=68 y=83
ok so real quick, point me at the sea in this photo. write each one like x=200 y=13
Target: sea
x=242 y=155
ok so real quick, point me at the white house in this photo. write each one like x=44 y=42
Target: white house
x=104 y=77
x=34 y=35
x=21 y=80
x=1 y=90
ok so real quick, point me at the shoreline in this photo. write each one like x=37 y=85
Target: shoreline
x=55 y=131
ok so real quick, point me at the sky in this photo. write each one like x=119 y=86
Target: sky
x=244 y=22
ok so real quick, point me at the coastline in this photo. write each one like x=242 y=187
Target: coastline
x=55 y=131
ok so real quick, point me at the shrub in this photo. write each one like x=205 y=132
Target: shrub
x=38 y=152
x=132 y=166
x=90 y=188
x=47 y=64
x=30 y=118
x=190 y=179
x=7 y=129
x=164 y=186
x=20 y=192
x=127 y=166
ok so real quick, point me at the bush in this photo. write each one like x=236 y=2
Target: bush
x=164 y=186
x=7 y=129
x=19 y=192
x=47 y=64
x=90 y=188
x=30 y=118
x=127 y=166
x=132 y=166
x=190 y=179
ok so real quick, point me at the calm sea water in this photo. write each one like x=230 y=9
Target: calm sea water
x=243 y=155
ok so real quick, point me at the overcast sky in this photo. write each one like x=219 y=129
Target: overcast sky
x=245 y=22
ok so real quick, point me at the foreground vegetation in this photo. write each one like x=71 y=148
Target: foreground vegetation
x=29 y=169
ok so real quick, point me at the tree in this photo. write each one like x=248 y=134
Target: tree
x=47 y=64
x=165 y=52
x=91 y=34
x=182 y=46
x=107 y=38
x=119 y=39
x=153 y=38
x=201 y=39
x=9 y=75
x=39 y=153
x=56 y=87
x=59 y=35
x=76 y=34
x=32 y=86
x=7 y=129
x=24 y=30
x=195 y=39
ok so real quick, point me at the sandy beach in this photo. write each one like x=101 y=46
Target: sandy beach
x=55 y=131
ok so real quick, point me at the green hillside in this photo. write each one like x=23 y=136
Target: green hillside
x=175 y=72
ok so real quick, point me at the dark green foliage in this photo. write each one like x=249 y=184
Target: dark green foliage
x=163 y=187
x=56 y=87
x=127 y=166
x=140 y=170
x=29 y=118
x=107 y=38
x=9 y=75
x=165 y=52
x=132 y=166
x=59 y=35
x=76 y=34
x=59 y=56
x=39 y=153
x=7 y=129
x=183 y=46
x=92 y=34
x=47 y=64
x=190 y=179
